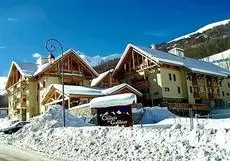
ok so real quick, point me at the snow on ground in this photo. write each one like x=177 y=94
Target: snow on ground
x=119 y=143
x=150 y=115
x=53 y=118
x=4 y=122
x=201 y=123
x=220 y=113
x=208 y=141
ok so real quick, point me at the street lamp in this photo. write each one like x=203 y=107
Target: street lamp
x=51 y=46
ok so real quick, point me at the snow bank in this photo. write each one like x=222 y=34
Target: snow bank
x=204 y=123
x=114 y=100
x=205 y=142
x=118 y=143
x=4 y=122
x=156 y=114
x=52 y=118
x=150 y=115
x=220 y=113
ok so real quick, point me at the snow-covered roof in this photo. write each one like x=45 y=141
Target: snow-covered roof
x=100 y=77
x=194 y=65
x=26 y=69
x=80 y=90
x=114 y=100
x=39 y=70
x=203 y=29
x=119 y=87
x=87 y=91
x=225 y=55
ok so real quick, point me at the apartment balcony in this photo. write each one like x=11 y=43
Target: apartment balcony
x=210 y=96
x=196 y=95
x=203 y=95
x=216 y=95
x=141 y=85
x=201 y=83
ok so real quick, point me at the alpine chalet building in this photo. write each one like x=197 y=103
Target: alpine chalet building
x=164 y=77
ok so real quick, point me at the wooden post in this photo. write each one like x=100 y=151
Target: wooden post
x=133 y=59
x=191 y=118
x=69 y=103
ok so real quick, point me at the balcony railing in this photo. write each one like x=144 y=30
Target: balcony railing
x=216 y=95
x=196 y=95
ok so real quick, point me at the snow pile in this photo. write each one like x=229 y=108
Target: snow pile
x=119 y=143
x=156 y=114
x=220 y=113
x=52 y=118
x=203 y=29
x=204 y=123
x=113 y=100
x=100 y=77
x=150 y=115
x=4 y=122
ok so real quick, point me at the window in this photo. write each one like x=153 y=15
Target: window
x=167 y=89
x=220 y=84
x=174 y=77
x=227 y=94
x=178 y=88
x=228 y=85
x=190 y=89
x=223 y=93
x=170 y=77
x=217 y=90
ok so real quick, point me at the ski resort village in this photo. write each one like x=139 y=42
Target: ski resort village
x=156 y=101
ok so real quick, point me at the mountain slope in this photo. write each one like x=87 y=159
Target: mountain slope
x=208 y=40
x=203 y=29
x=97 y=60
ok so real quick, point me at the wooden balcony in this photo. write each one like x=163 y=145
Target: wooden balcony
x=196 y=95
x=194 y=83
x=203 y=95
x=216 y=95
x=141 y=85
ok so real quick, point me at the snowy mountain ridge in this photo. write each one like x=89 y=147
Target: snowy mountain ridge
x=2 y=85
x=203 y=29
x=97 y=60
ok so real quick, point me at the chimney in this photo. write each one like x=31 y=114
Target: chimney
x=177 y=52
x=41 y=61
x=153 y=46
x=51 y=58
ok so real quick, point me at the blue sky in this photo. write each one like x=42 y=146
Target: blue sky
x=98 y=27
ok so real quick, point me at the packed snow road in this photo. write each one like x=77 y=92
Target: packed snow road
x=11 y=153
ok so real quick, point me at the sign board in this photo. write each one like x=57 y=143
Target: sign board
x=115 y=116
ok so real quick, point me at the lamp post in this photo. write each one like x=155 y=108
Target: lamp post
x=51 y=46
